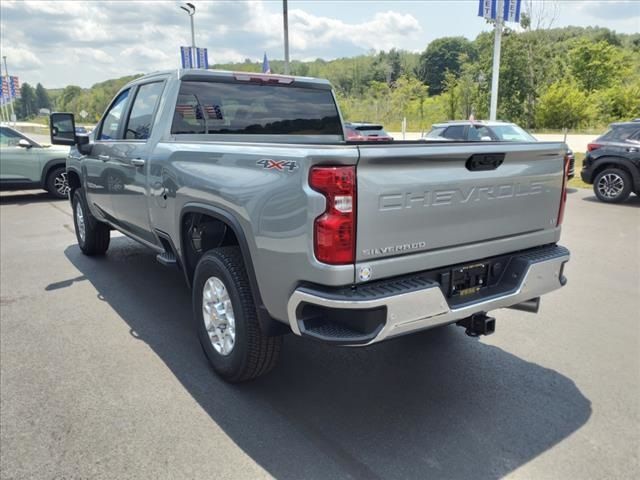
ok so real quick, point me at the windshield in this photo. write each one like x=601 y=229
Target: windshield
x=512 y=133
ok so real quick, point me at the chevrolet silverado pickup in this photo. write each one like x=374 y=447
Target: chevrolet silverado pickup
x=247 y=184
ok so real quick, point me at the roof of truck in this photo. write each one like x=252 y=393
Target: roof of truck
x=203 y=75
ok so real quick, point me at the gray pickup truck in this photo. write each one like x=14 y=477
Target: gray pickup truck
x=245 y=182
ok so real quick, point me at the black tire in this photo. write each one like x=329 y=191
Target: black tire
x=253 y=353
x=612 y=185
x=57 y=183
x=97 y=235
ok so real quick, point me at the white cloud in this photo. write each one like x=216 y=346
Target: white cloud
x=84 y=42
x=22 y=58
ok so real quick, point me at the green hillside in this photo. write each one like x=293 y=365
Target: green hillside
x=571 y=77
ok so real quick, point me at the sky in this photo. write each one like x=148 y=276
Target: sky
x=59 y=43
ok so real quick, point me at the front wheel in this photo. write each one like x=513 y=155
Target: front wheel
x=612 y=185
x=57 y=182
x=93 y=236
x=226 y=318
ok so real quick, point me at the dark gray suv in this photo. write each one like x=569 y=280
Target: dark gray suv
x=612 y=162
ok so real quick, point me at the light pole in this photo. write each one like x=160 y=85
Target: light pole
x=190 y=8
x=496 y=60
x=285 y=20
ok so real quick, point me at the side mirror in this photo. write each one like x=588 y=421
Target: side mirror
x=24 y=143
x=63 y=129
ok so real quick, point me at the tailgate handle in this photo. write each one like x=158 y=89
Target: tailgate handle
x=484 y=161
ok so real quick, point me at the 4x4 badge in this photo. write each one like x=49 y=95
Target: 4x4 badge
x=280 y=165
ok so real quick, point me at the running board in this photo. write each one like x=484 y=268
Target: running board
x=168 y=259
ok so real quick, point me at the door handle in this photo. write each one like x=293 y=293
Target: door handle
x=632 y=149
x=104 y=158
x=137 y=162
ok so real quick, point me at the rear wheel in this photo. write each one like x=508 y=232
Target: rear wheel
x=226 y=318
x=612 y=185
x=58 y=183
x=93 y=236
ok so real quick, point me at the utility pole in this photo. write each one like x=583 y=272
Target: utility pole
x=191 y=11
x=285 y=19
x=495 y=75
x=6 y=72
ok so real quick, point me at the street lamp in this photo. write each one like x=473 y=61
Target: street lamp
x=190 y=8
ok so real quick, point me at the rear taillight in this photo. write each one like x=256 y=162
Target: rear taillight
x=334 y=236
x=593 y=146
x=563 y=195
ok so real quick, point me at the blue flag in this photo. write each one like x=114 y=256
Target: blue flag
x=511 y=11
x=265 y=64
x=202 y=58
x=488 y=9
x=186 y=57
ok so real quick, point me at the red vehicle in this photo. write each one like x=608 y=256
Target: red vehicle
x=366 y=132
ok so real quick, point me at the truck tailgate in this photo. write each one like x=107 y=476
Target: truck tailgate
x=420 y=198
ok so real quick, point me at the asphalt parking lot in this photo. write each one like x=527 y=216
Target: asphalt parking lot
x=102 y=376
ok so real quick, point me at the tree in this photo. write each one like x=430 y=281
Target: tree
x=409 y=92
x=451 y=94
x=42 y=98
x=28 y=102
x=442 y=55
x=619 y=102
x=564 y=105
x=595 y=65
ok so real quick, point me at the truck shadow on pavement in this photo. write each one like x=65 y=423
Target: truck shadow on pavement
x=22 y=198
x=431 y=405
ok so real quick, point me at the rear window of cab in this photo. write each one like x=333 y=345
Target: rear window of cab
x=254 y=109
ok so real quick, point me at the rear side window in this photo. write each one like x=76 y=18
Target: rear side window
x=435 y=133
x=111 y=122
x=455 y=133
x=620 y=133
x=139 y=124
x=253 y=109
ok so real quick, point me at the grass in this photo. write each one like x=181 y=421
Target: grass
x=576 y=181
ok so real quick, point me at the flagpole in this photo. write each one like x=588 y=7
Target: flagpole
x=495 y=76
x=285 y=20
x=6 y=72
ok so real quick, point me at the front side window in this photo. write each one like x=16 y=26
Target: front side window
x=139 y=124
x=254 y=109
x=9 y=138
x=477 y=133
x=111 y=123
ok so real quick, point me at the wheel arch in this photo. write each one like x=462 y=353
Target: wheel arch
x=74 y=179
x=617 y=162
x=49 y=166
x=226 y=218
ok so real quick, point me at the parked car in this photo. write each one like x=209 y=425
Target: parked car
x=366 y=132
x=474 y=131
x=246 y=183
x=612 y=162
x=26 y=164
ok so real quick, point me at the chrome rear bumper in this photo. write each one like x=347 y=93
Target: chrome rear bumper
x=401 y=312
